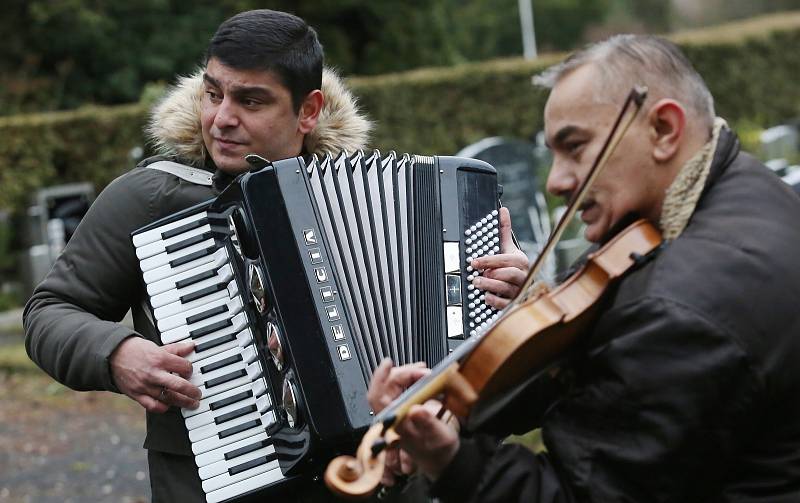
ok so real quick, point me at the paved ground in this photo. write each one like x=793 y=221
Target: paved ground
x=58 y=445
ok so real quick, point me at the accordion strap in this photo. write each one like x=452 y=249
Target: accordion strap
x=188 y=173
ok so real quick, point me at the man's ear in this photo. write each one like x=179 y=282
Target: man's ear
x=667 y=122
x=309 y=111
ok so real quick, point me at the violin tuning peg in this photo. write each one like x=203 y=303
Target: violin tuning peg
x=378 y=446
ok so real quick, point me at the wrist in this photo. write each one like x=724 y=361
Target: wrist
x=434 y=469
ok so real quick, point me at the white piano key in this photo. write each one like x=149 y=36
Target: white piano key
x=257 y=479
x=218 y=454
x=252 y=372
x=256 y=388
x=230 y=291
x=166 y=271
x=245 y=357
x=165 y=258
x=226 y=479
x=200 y=332
x=212 y=429
x=160 y=246
x=256 y=425
x=220 y=467
x=209 y=416
x=221 y=340
x=233 y=307
x=223 y=275
x=155 y=234
x=217 y=261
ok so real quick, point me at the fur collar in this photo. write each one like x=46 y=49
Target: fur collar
x=173 y=127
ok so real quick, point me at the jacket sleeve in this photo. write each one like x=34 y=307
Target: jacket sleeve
x=71 y=321
x=657 y=404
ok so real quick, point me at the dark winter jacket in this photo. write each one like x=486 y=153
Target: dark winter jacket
x=72 y=320
x=689 y=386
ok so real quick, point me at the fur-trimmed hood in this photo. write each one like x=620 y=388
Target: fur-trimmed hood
x=173 y=128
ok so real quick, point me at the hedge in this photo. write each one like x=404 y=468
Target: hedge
x=91 y=144
x=750 y=68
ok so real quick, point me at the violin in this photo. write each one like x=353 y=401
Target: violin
x=535 y=330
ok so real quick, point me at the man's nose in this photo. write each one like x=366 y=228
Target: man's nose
x=226 y=115
x=561 y=181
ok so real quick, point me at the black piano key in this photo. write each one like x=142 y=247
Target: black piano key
x=231 y=399
x=202 y=293
x=252 y=464
x=209 y=329
x=216 y=342
x=197 y=278
x=184 y=228
x=221 y=363
x=241 y=451
x=239 y=428
x=207 y=314
x=227 y=377
x=180 y=245
x=230 y=416
x=193 y=256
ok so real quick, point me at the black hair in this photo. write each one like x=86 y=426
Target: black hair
x=273 y=41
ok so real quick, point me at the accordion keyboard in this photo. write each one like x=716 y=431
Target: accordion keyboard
x=189 y=271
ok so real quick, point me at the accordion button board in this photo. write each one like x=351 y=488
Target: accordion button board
x=297 y=281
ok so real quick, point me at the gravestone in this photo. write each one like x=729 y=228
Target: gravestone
x=780 y=145
x=780 y=142
x=51 y=219
x=518 y=164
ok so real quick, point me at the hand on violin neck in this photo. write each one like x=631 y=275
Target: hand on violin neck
x=388 y=382
x=430 y=442
x=503 y=274
x=398 y=464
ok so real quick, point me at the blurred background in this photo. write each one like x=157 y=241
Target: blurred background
x=77 y=78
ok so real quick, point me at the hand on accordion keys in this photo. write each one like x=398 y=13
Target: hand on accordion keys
x=154 y=376
x=503 y=274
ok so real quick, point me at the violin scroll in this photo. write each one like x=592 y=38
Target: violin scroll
x=358 y=477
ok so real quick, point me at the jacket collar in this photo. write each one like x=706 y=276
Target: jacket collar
x=728 y=147
x=173 y=128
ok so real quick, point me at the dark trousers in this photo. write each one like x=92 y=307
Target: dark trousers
x=173 y=478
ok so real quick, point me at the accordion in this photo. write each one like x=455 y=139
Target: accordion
x=296 y=281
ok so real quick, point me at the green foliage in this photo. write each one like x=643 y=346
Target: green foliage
x=90 y=144
x=61 y=55
x=754 y=79
x=71 y=52
x=424 y=111
x=6 y=236
x=67 y=53
x=560 y=24
x=532 y=440
x=442 y=110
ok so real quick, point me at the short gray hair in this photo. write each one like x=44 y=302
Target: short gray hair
x=626 y=60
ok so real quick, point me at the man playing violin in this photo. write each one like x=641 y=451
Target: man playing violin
x=686 y=385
